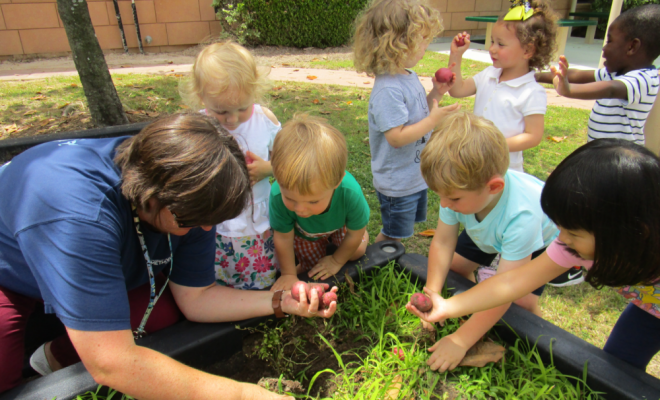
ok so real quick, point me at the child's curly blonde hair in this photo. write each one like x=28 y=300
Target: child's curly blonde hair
x=389 y=31
x=540 y=30
x=463 y=154
x=222 y=67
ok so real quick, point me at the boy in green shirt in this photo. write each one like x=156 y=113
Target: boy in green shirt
x=314 y=201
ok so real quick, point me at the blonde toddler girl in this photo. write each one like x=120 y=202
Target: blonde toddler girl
x=225 y=80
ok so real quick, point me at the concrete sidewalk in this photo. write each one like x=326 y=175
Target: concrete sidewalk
x=322 y=76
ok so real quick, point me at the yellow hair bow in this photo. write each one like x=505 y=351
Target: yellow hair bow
x=520 y=11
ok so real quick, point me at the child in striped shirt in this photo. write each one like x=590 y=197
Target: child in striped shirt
x=626 y=88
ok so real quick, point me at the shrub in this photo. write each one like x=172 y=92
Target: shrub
x=606 y=5
x=303 y=23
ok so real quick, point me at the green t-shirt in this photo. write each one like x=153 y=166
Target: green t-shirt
x=347 y=207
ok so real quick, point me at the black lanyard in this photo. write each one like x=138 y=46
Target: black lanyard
x=140 y=332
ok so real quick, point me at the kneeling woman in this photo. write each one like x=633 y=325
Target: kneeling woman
x=89 y=226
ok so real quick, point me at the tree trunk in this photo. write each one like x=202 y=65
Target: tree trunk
x=104 y=104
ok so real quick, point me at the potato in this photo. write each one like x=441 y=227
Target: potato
x=327 y=299
x=443 y=75
x=421 y=302
x=320 y=290
x=296 y=288
x=399 y=353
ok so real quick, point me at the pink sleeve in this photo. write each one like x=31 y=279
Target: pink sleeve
x=558 y=253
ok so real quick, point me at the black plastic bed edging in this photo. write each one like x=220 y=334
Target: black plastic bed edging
x=11 y=147
x=195 y=344
x=605 y=373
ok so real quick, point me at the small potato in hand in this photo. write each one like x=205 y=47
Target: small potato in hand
x=297 y=288
x=327 y=299
x=421 y=302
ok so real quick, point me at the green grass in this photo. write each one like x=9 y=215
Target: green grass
x=425 y=67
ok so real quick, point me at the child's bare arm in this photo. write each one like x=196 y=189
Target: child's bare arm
x=652 y=129
x=284 y=251
x=531 y=137
x=461 y=87
x=586 y=91
x=330 y=265
x=403 y=135
x=573 y=75
x=441 y=253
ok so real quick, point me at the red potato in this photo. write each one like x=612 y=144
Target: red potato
x=399 y=353
x=421 y=302
x=320 y=290
x=443 y=75
x=297 y=288
x=327 y=299
x=460 y=42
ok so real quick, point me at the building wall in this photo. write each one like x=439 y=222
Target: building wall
x=33 y=27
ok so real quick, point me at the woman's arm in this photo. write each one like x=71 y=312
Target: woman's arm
x=113 y=359
x=285 y=256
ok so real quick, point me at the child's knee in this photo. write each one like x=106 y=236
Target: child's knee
x=463 y=266
x=530 y=303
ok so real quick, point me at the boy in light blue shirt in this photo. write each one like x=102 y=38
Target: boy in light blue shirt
x=465 y=162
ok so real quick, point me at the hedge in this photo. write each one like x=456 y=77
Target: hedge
x=304 y=23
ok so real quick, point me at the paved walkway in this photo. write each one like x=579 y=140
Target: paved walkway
x=323 y=76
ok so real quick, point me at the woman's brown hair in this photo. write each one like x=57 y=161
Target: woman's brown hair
x=188 y=163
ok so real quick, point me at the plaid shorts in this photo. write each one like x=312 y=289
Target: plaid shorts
x=309 y=253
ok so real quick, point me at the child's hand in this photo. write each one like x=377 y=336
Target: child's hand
x=325 y=268
x=461 y=37
x=259 y=168
x=442 y=88
x=437 y=312
x=447 y=354
x=560 y=77
x=438 y=113
x=284 y=282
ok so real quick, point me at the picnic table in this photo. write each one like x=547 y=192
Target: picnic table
x=591 y=29
x=562 y=32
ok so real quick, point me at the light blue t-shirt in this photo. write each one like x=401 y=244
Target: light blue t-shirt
x=396 y=100
x=516 y=227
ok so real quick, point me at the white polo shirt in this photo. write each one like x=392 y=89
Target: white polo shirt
x=506 y=104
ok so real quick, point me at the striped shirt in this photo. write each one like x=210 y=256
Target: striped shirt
x=624 y=119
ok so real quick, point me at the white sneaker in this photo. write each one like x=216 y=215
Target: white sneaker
x=39 y=362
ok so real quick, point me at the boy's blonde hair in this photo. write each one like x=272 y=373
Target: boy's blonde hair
x=219 y=68
x=389 y=31
x=464 y=154
x=309 y=151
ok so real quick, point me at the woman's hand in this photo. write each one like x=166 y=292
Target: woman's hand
x=259 y=168
x=307 y=307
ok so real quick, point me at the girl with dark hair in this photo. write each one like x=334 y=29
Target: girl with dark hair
x=96 y=228
x=604 y=198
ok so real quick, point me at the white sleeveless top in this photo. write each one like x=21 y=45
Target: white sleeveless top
x=256 y=135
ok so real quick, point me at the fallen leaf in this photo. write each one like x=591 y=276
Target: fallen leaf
x=349 y=103
x=315 y=59
x=325 y=112
x=132 y=112
x=37 y=92
x=12 y=128
x=323 y=98
x=427 y=233
x=277 y=88
x=557 y=139
x=315 y=101
x=183 y=106
x=395 y=388
x=152 y=98
x=311 y=77
x=118 y=79
x=286 y=65
x=29 y=113
x=296 y=70
x=170 y=62
x=473 y=65
x=482 y=353
x=63 y=105
x=46 y=121
x=40 y=97
x=153 y=114
x=367 y=82
x=136 y=87
x=76 y=85
x=149 y=88
x=349 y=282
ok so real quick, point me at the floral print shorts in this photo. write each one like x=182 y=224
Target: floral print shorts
x=246 y=262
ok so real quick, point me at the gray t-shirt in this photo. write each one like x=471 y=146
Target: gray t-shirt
x=396 y=100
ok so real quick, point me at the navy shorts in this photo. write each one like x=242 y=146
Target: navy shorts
x=470 y=251
x=399 y=214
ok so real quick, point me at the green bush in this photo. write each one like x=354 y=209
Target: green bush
x=304 y=23
x=606 y=5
